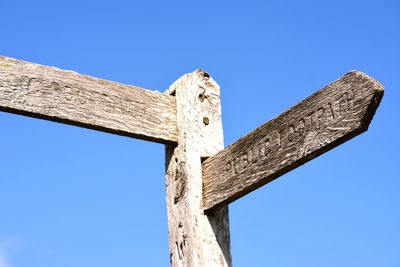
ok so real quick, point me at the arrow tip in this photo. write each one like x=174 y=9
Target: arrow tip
x=362 y=80
x=365 y=79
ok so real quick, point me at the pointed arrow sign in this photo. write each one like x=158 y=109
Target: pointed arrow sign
x=319 y=123
x=68 y=97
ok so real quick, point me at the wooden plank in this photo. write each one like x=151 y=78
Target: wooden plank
x=68 y=97
x=195 y=239
x=319 y=123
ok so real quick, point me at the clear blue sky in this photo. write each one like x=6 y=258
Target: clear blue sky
x=76 y=197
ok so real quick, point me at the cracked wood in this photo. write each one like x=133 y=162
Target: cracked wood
x=68 y=97
x=195 y=238
x=319 y=123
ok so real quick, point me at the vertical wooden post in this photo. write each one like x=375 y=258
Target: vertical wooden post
x=195 y=239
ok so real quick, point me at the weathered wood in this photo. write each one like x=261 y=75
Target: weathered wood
x=68 y=97
x=319 y=123
x=195 y=239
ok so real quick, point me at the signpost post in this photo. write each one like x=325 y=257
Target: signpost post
x=202 y=176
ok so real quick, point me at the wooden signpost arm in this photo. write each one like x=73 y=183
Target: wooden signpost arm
x=319 y=123
x=68 y=97
x=196 y=239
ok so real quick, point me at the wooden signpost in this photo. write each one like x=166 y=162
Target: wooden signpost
x=202 y=176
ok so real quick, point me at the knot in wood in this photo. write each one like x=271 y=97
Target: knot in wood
x=180 y=178
x=203 y=73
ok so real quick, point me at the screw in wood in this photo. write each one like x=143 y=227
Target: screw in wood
x=206 y=120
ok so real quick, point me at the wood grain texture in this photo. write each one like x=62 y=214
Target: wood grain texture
x=319 y=123
x=196 y=239
x=68 y=97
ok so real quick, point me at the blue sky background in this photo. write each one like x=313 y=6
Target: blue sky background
x=76 y=197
